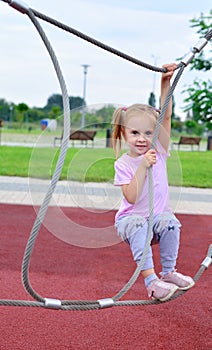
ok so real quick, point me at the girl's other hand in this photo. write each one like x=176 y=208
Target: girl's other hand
x=150 y=158
x=170 y=71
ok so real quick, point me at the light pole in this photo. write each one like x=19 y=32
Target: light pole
x=85 y=66
x=11 y=115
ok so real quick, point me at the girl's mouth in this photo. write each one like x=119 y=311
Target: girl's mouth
x=141 y=146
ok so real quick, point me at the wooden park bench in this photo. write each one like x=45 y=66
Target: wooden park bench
x=80 y=135
x=188 y=140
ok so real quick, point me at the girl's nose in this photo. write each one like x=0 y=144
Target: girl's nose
x=141 y=137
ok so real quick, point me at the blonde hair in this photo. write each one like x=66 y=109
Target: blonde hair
x=122 y=114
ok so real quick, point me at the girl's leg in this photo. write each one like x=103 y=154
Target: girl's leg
x=167 y=230
x=156 y=288
x=134 y=230
x=137 y=242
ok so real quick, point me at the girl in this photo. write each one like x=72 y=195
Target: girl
x=136 y=125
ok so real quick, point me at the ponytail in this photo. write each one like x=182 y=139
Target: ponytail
x=118 y=129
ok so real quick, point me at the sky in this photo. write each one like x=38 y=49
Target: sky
x=155 y=32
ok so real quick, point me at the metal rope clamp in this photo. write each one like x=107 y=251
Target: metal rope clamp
x=208 y=260
x=104 y=303
x=20 y=6
x=52 y=303
x=197 y=48
x=200 y=44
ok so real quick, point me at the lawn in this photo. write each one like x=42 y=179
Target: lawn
x=185 y=168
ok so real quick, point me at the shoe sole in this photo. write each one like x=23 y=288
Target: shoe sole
x=168 y=296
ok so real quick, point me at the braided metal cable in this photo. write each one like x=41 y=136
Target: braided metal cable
x=151 y=191
x=56 y=175
x=81 y=305
x=151 y=302
x=96 y=42
x=23 y=303
x=208 y=35
x=78 y=307
x=101 y=45
x=165 y=106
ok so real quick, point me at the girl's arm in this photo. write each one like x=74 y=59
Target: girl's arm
x=165 y=130
x=133 y=190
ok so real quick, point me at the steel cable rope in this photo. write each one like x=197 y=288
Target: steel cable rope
x=44 y=206
x=151 y=192
x=91 y=40
x=56 y=175
x=96 y=42
x=93 y=305
x=78 y=304
x=150 y=181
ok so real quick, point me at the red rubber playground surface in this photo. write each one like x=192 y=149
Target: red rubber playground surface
x=64 y=271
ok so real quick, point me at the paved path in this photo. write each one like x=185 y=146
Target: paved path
x=28 y=191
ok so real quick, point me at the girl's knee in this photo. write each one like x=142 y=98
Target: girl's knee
x=128 y=226
x=167 y=222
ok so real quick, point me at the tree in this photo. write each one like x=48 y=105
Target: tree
x=4 y=109
x=152 y=99
x=56 y=100
x=204 y=25
x=190 y=126
x=199 y=100
x=104 y=116
x=76 y=102
x=21 y=110
x=55 y=112
x=35 y=115
x=200 y=92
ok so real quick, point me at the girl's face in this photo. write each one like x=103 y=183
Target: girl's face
x=138 y=134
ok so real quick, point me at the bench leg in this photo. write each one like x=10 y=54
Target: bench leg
x=57 y=138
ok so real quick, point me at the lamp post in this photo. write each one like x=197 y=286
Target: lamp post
x=85 y=66
x=1 y=124
x=11 y=115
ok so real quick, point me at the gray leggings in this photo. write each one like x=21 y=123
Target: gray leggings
x=133 y=229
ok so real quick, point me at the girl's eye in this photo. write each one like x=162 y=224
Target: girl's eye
x=148 y=133
x=134 y=132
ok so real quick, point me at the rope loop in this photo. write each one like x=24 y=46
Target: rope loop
x=107 y=302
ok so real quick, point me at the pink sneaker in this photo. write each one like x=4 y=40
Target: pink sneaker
x=161 y=290
x=183 y=282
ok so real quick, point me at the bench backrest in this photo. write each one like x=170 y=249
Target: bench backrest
x=82 y=135
x=187 y=140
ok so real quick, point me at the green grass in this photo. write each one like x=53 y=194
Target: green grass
x=192 y=169
x=196 y=169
